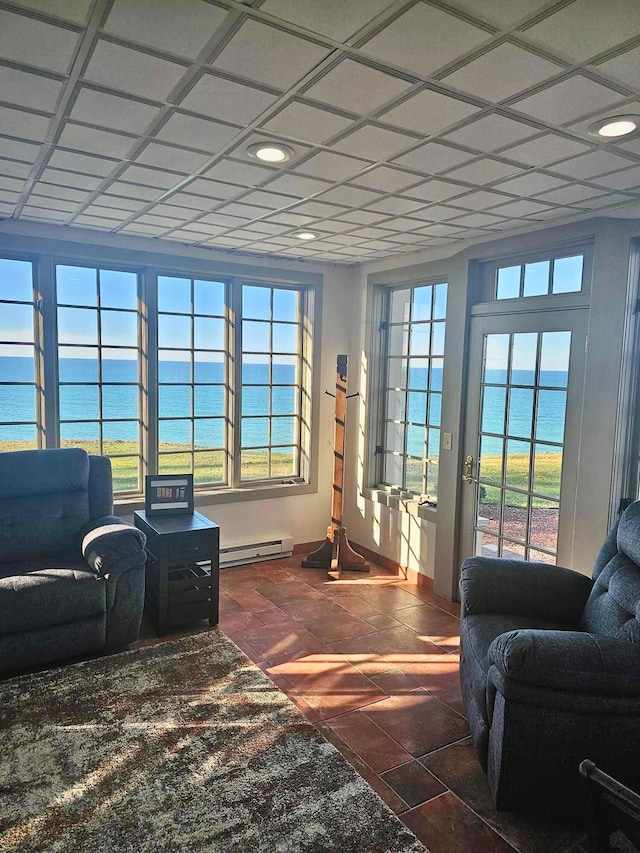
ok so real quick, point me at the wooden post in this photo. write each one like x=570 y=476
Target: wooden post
x=336 y=553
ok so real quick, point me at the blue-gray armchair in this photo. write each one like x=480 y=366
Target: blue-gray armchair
x=71 y=573
x=550 y=671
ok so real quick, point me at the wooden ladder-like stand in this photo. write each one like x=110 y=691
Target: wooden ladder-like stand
x=336 y=553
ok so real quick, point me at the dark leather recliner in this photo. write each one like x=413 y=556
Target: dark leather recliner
x=550 y=671
x=71 y=573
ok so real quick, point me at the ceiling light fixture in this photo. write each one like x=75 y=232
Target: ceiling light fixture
x=614 y=127
x=306 y=235
x=270 y=152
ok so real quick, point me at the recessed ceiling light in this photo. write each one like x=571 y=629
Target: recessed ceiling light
x=270 y=152
x=306 y=235
x=614 y=127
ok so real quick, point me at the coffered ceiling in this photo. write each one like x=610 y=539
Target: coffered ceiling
x=413 y=122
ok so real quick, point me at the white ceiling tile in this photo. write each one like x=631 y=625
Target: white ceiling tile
x=274 y=201
x=604 y=200
x=350 y=196
x=331 y=225
x=520 y=208
x=302 y=121
x=7 y=208
x=45 y=45
x=502 y=72
x=13 y=184
x=440 y=230
x=627 y=179
x=168 y=157
x=568 y=100
x=481 y=200
x=196 y=132
x=268 y=55
x=478 y=220
x=629 y=108
x=244 y=174
x=585 y=28
x=143 y=230
x=58 y=191
x=9 y=197
x=356 y=87
x=150 y=177
x=244 y=211
x=436 y=190
x=70 y=179
x=267 y=228
x=319 y=209
x=44 y=213
x=223 y=220
x=490 y=133
x=483 y=171
x=122 y=188
x=23 y=124
x=224 y=99
x=429 y=112
x=333 y=18
x=530 y=183
x=623 y=67
x=120 y=203
x=95 y=222
x=438 y=213
x=16 y=149
x=29 y=90
x=568 y=195
x=396 y=205
x=587 y=166
x=15 y=169
x=160 y=221
x=500 y=13
x=360 y=217
x=546 y=149
x=96 y=141
x=69 y=10
x=86 y=163
x=423 y=39
x=106 y=213
x=295 y=220
x=335 y=167
x=133 y=71
x=374 y=143
x=298 y=185
x=172 y=211
x=111 y=111
x=386 y=179
x=433 y=157
x=193 y=202
x=182 y=28
x=213 y=189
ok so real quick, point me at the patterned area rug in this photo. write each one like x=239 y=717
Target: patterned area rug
x=182 y=746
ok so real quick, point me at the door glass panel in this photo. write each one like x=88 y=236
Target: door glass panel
x=520 y=444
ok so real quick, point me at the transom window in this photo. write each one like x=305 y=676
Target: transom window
x=415 y=332
x=540 y=278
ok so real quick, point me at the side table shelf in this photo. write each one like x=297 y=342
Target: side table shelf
x=182 y=571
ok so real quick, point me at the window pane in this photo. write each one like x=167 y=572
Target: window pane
x=118 y=289
x=76 y=285
x=120 y=401
x=523 y=358
x=209 y=400
x=490 y=467
x=418 y=374
x=17 y=403
x=78 y=364
x=396 y=403
x=119 y=328
x=283 y=430
x=283 y=462
x=508 y=283
x=174 y=463
x=496 y=359
x=174 y=331
x=209 y=333
x=435 y=409
x=544 y=524
x=393 y=469
x=494 y=401
x=84 y=435
x=433 y=443
x=255 y=400
x=518 y=464
x=16 y=363
x=21 y=437
x=254 y=464
x=16 y=323
x=554 y=359
x=420 y=339
x=208 y=432
x=552 y=406
x=397 y=373
x=521 y=412
x=174 y=401
x=125 y=470
x=440 y=302
x=208 y=297
x=174 y=435
x=422 y=297
x=284 y=400
x=174 y=366
x=416 y=441
x=285 y=338
x=567 y=274
x=547 y=471
x=400 y=306
x=256 y=302
x=16 y=280
x=174 y=294
x=417 y=407
x=208 y=367
x=437 y=339
x=285 y=305
x=414 y=475
x=395 y=437
x=399 y=340
x=256 y=336
x=536 y=279
x=79 y=402
x=77 y=326
x=119 y=365
x=255 y=432
x=437 y=374
x=208 y=467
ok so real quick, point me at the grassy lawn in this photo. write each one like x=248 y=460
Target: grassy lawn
x=547 y=476
x=209 y=465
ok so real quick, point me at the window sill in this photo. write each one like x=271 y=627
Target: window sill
x=401 y=501
x=206 y=497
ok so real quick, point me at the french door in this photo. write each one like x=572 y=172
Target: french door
x=521 y=447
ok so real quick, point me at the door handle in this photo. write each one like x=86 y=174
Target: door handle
x=468 y=477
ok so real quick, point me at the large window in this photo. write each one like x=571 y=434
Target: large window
x=161 y=371
x=98 y=323
x=540 y=278
x=414 y=329
x=18 y=362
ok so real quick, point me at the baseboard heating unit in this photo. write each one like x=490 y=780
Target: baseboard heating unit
x=252 y=552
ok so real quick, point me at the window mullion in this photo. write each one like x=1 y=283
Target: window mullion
x=149 y=300
x=47 y=344
x=235 y=394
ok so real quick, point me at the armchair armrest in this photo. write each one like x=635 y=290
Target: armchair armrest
x=569 y=661
x=111 y=545
x=519 y=588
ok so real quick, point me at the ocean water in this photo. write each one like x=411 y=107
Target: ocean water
x=78 y=403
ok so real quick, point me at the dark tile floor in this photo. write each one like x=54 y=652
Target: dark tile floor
x=372 y=660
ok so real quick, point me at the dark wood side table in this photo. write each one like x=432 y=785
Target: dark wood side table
x=182 y=572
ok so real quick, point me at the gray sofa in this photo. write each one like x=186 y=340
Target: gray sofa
x=71 y=573
x=550 y=671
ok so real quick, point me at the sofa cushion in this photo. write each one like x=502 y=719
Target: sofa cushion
x=613 y=607
x=37 y=594
x=44 y=500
